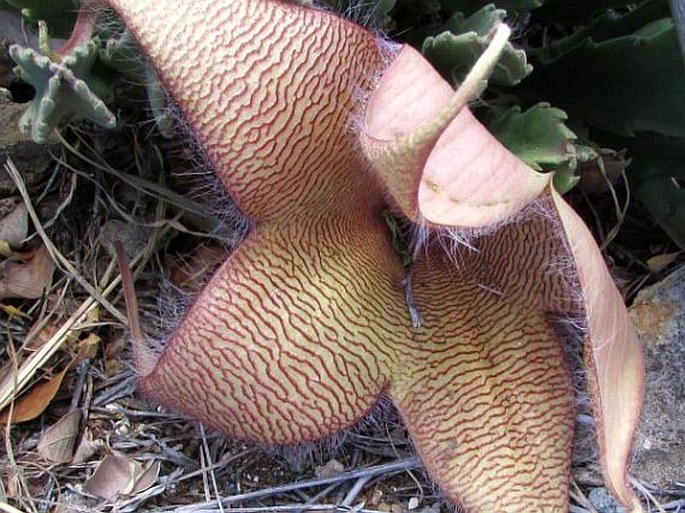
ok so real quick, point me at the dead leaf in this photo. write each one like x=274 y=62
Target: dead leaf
x=13 y=311
x=600 y=175
x=57 y=443
x=113 y=475
x=119 y=475
x=34 y=401
x=27 y=279
x=87 y=348
x=93 y=315
x=87 y=447
x=331 y=468
x=147 y=476
x=15 y=226
x=191 y=271
x=660 y=262
x=113 y=350
x=44 y=334
x=5 y=248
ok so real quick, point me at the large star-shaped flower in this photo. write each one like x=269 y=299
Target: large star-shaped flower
x=309 y=321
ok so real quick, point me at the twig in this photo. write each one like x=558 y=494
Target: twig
x=355 y=490
x=643 y=490
x=214 y=466
x=11 y=388
x=9 y=509
x=80 y=383
x=323 y=493
x=131 y=301
x=212 y=474
x=150 y=188
x=678 y=505
x=294 y=508
x=396 y=466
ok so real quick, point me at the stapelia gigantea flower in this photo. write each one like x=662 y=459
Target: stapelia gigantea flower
x=306 y=324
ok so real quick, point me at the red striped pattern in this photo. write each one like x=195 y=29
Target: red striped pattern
x=305 y=325
x=268 y=93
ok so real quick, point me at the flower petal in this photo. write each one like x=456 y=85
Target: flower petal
x=268 y=89
x=285 y=343
x=438 y=163
x=486 y=395
x=613 y=356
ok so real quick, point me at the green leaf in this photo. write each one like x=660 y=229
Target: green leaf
x=470 y=6
x=423 y=7
x=621 y=75
x=455 y=51
x=537 y=136
x=657 y=177
x=576 y=11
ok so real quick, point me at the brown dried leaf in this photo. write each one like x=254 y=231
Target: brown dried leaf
x=87 y=447
x=660 y=262
x=146 y=476
x=87 y=348
x=114 y=476
x=5 y=249
x=331 y=468
x=15 y=226
x=190 y=272
x=27 y=279
x=44 y=334
x=119 y=475
x=93 y=315
x=57 y=443
x=34 y=401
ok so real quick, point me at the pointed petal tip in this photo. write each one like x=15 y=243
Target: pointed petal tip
x=613 y=357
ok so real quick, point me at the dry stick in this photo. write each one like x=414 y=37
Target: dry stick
x=297 y=508
x=11 y=389
x=678 y=505
x=9 y=509
x=620 y=212
x=355 y=490
x=637 y=484
x=404 y=464
x=212 y=474
x=129 y=295
x=214 y=466
x=579 y=496
x=303 y=508
x=150 y=188
x=205 y=481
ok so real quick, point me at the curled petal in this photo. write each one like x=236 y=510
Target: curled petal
x=613 y=356
x=436 y=160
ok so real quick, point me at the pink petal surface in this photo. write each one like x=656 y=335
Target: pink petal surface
x=613 y=356
x=306 y=324
x=462 y=177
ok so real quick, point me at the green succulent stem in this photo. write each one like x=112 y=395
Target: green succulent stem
x=44 y=46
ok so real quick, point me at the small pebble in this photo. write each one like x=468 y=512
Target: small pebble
x=602 y=500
